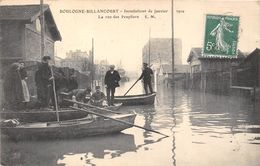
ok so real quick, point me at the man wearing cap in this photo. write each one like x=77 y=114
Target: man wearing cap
x=146 y=76
x=112 y=78
x=43 y=79
x=97 y=97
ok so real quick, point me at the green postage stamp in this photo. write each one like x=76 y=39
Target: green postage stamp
x=221 y=36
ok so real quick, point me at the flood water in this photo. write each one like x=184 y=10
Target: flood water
x=203 y=129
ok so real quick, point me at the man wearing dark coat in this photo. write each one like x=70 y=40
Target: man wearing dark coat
x=146 y=76
x=112 y=78
x=43 y=79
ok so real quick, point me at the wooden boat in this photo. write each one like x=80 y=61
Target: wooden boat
x=69 y=129
x=42 y=115
x=48 y=115
x=136 y=99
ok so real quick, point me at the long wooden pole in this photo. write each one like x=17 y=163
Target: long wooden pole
x=131 y=87
x=55 y=95
x=172 y=21
x=93 y=70
x=92 y=106
x=131 y=124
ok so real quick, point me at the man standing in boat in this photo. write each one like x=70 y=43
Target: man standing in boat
x=112 y=78
x=147 y=78
x=43 y=79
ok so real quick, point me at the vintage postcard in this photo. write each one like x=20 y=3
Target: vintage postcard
x=130 y=82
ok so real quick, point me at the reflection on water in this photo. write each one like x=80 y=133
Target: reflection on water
x=57 y=151
x=204 y=129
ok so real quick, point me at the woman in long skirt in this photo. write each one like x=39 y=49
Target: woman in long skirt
x=13 y=91
x=23 y=75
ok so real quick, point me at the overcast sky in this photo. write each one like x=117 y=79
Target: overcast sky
x=123 y=39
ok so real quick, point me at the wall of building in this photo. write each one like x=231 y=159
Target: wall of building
x=216 y=65
x=19 y=41
x=11 y=42
x=195 y=66
x=33 y=44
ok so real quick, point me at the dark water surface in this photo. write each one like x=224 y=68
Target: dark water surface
x=204 y=129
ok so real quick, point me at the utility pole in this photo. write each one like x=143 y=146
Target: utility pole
x=149 y=58
x=42 y=55
x=42 y=29
x=173 y=82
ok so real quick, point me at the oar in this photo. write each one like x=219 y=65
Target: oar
x=81 y=109
x=131 y=87
x=92 y=106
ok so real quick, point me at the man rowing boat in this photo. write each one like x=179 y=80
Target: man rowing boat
x=146 y=76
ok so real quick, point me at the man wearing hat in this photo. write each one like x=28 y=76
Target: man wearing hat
x=97 y=97
x=112 y=78
x=146 y=76
x=43 y=78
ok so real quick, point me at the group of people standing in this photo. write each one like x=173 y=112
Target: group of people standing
x=16 y=92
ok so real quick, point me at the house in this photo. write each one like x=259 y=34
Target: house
x=198 y=63
x=205 y=71
x=20 y=38
x=246 y=74
x=20 y=33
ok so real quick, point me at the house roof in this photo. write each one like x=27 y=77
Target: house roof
x=197 y=53
x=28 y=14
x=252 y=57
x=18 y=12
x=256 y=52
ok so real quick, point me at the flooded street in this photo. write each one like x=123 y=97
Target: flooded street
x=204 y=129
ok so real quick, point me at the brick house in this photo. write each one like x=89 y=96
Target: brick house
x=20 y=33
